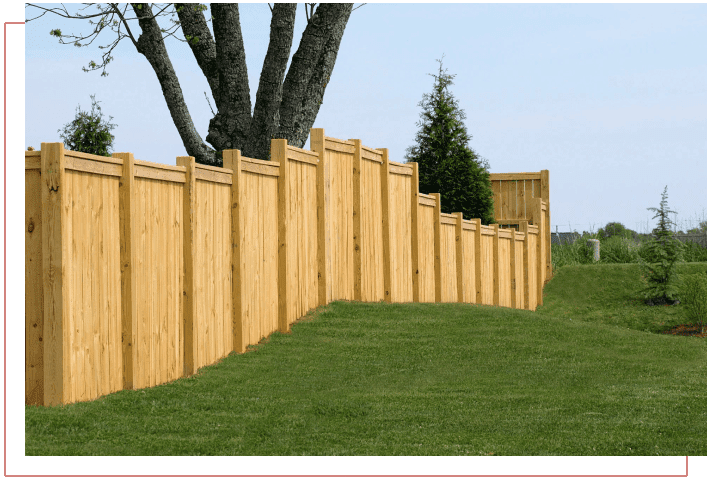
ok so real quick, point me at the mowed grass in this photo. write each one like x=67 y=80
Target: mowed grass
x=609 y=294
x=423 y=379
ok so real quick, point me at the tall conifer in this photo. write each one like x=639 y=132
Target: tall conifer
x=447 y=165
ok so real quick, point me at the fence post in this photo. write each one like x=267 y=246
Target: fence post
x=523 y=226
x=478 y=260
x=55 y=265
x=437 y=246
x=496 y=266
x=189 y=304
x=232 y=160
x=541 y=263
x=279 y=154
x=547 y=224
x=415 y=277
x=357 y=219
x=386 y=232
x=317 y=144
x=513 y=268
x=459 y=255
x=129 y=287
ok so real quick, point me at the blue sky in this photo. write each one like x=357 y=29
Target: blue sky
x=611 y=98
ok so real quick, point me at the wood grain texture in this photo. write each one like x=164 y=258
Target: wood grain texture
x=189 y=303
x=469 y=267
x=438 y=281
x=339 y=222
x=386 y=224
x=278 y=154
x=34 y=299
x=414 y=208
x=459 y=256
x=371 y=233
x=427 y=272
x=357 y=200
x=400 y=238
x=55 y=265
x=232 y=161
x=448 y=271
x=317 y=144
x=127 y=261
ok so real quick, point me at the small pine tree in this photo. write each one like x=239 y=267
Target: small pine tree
x=658 y=258
x=88 y=132
x=446 y=164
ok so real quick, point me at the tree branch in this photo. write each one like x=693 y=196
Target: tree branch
x=264 y=125
x=313 y=98
x=231 y=125
x=152 y=46
x=106 y=14
x=326 y=19
x=199 y=38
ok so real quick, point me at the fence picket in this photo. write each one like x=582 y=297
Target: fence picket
x=200 y=276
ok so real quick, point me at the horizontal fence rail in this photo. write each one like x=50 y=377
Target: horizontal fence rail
x=138 y=273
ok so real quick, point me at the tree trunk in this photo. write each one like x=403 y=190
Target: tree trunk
x=151 y=45
x=284 y=108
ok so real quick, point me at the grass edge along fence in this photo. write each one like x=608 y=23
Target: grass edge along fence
x=139 y=273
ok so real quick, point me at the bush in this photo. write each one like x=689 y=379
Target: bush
x=618 y=249
x=616 y=229
x=88 y=132
x=693 y=253
x=694 y=298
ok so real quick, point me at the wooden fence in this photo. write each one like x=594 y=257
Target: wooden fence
x=514 y=197
x=139 y=273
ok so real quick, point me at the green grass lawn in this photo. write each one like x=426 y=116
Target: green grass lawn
x=582 y=376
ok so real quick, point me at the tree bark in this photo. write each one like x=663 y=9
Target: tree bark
x=151 y=45
x=327 y=20
x=264 y=125
x=314 y=93
x=194 y=25
x=230 y=126
x=284 y=108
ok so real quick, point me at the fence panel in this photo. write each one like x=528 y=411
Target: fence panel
x=158 y=248
x=34 y=299
x=297 y=232
x=469 y=291
x=73 y=320
x=213 y=323
x=504 y=280
x=515 y=197
x=259 y=244
x=339 y=157
x=94 y=268
x=371 y=243
x=486 y=240
x=400 y=232
x=427 y=274
x=449 y=283
x=190 y=262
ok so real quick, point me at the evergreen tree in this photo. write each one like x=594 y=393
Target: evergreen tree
x=447 y=165
x=658 y=258
x=88 y=132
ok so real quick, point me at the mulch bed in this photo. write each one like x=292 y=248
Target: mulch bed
x=687 y=330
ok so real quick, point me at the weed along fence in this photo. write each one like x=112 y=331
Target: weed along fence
x=139 y=273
